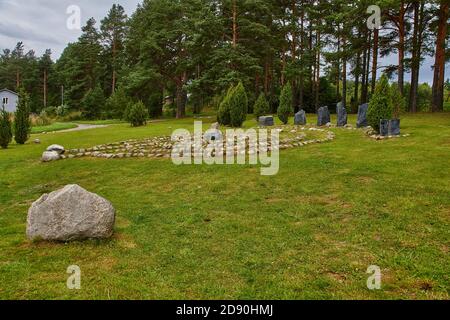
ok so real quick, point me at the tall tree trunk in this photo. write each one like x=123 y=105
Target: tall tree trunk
x=235 y=32
x=113 y=85
x=344 y=73
x=338 y=66
x=266 y=78
x=439 y=65
x=17 y=79
x=415 y=61
x=302 y=43
x=45 y=88
x=181 y=97
x=283 y=67
x=401 y=48
x=366 y=69
x=317 y=76
x=376 y=34
x=357 y=74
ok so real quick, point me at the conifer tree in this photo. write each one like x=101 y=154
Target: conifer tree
x=285 y=109
x=238 y=106
x=380 y=106
x=22 y=123
x=5 y=129
x=261 y=106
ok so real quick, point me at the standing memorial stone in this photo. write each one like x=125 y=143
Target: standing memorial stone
x=362 y=116
x=390 y=127
x=341 y=115
x=300 y=118
x=384 y=128
x=323 y=116
x=266 y=121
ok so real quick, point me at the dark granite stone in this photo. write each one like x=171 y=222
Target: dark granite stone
x=362 y=116
x=300 y=118
x=266 y=121
x=323 y=116
x=384 y=128
x=341 y=115
x=390 y=127
x=394 y=127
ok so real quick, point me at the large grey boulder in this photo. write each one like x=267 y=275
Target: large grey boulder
x=56 y=148
x=69 y=214
x=323 y=116
x=362 y=116
x=266 y=121
x=341 y=115
x=49 y=156
x=300 y=118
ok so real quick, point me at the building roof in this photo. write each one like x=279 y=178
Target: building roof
x=10 y=91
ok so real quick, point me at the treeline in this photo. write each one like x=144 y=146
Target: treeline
x=195 y=50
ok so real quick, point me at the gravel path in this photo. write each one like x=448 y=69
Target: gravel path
x=82 y=127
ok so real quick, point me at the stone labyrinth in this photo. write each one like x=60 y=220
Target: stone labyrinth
x=161 y=147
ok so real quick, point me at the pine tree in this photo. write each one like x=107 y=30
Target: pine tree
x=380 y=106
x=285 y=109
x=238 y=106
x=5 y=129
x=113 y=32
x=137 y=114
x=22 y=123
x=261 y=107
x=93 y=103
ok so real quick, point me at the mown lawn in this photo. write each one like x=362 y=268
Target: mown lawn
x=57 y=126
x=226 y=232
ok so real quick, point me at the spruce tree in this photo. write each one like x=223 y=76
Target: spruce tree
x=22 y=123
x=380 y=106
x=238 y=106
x=223 y=116
x=5 y=129
x=261 y=107
x=285 y=108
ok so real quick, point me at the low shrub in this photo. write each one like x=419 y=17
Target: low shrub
x=285 y=108
x=380 y=106
x=238 y=105
x=137 y=114
x=261 y=107
x=5 y=129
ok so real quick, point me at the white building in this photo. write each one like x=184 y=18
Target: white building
x=8 y=100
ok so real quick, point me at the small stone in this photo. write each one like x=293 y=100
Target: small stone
x=49 y=156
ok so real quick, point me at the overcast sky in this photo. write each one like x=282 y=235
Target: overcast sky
x=41 y=24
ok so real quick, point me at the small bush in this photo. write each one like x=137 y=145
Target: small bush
x=261 y=107
x=22 y=122
x=41 y=120
x=285 y=109
x=62 y=111
x=223 y=115
x=137 y=114
x=49 y=111
x=5 y=129
x=398 y=101
x=238 y=106
x=380 y=106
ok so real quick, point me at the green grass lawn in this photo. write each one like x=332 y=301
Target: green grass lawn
x=57 y=126
x=226 y=232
